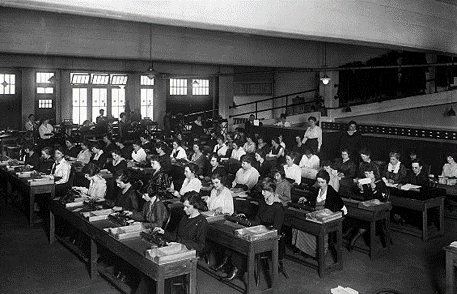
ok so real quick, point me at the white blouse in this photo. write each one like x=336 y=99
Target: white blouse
x=61 y=170
x=314 y=133
x=46 y=131
x=220 y=150
x=139 y=156
x=449 y=171
x=84 y=156
x=190 y=185
x=178 y=153
x=236 y=154
x=248 y=177
x=293 y=172
x=312 y=162
x=224 y=200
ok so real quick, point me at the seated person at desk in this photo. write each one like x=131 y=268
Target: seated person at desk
x=178 y=151
x=281 y=142
x=125 y=151
x=72 y=149
x=191 y=182
x=46 y=161
x=365 y=155
x=418 y=175
x=237 y=151
x=138 y=153
x=97 y=184
x=220 y=200
x=283 y=186
x=309 y=164
x=154 y=213
x=198 y=158
x=333 y=173
x=277 y=152
x=345 y=166
x=395 y=171
x=220 y=148
x=263 y=166
x=61 y=171
x=118 y=162
x=164 y=158
x=159 y=182
x=85 y=128
x=292 y=170
x=299 y=147
x=326 y=197
x=215 y=167
x=84 y=155
x=109 y=144
x=128 y=197
x=450 y=168
x=249 y=146
x=283 y=122
x=262 y=146
x=411 y=156
x=247 y=176
x=46 y=130
x=30 y=124
x=270 y=214
x=31 y=157
x=146 y=144
x=99 y=157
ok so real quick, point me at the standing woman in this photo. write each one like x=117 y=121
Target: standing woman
x=118 y=162
x=220 y=199
x=46 y=131
x=84 y=155
x=313 y=135
x=351 y=139
x=326 y=197
x=61 y=171
x=191 y=182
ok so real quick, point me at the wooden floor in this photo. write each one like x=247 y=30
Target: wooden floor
x=30 y=265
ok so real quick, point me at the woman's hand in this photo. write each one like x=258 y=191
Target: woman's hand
x=302 y=200
x=128 y=213
x=218 y=211
x=158 y=230
x=176 y=193
x=205 y=198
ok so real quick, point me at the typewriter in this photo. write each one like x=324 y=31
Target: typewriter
x=239 y=219
x=120 y=218
x=153 y=238
x=302 y=206
x=69 y=197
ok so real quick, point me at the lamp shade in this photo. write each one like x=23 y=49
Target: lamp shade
x=451 y=112
x=325 y=79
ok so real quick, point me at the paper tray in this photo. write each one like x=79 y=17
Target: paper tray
x=171 y=253
x=74 y=204
x=256 y=233
x=39 y=182
x=121 y=233
x=27 y=174
x=211 y=217
x=97 y=215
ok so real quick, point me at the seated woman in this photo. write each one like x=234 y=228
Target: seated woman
x=178 y=151
x=262 y=146
x=99 y=156
x=450 y=168
x=418 y=175
x=283 y=122
x=191 y=182
x=97 y=184
x=118 y=162
x=146 y=144
x=270 y=214
x=138 y=153
x=247 y=176
x=263 y=166
x=164 y=158
x=109 y=144
x=395 y=171
x=237 y=151
x=292 y=170
x=283 y=186
x=191 y=231
x=46 y=161
x=345 y=166
x=154 y=213
x=277 y=152
x=281 y=142
x=333 y=173
x=220 y=148
x=198 y=158
x=326 y=197
x=367 y=163
x=72 y=149
x=84 y=155
x=249 y=146
x=299 y=147
x=220 y=200
x=61 y=171
x=31 y=157
x=126 y=152
x=214 y=167
x=309 y=164
x=159 y=182
x=128 y=197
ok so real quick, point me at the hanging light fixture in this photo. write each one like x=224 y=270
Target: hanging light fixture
x=150 y=73
x=451 y=112
x=325 y=79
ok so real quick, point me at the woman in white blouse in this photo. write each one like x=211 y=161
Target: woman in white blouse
x=238 y=150
x=450 y=168
x=291 y=170
x=138 y=153
x=313 y=135
x=249 y=146
x=221 y=148
x=46 y=130
x=191 y=182
x=97 y=184
x=178 y=151
x=84 y=155
x=220 y=199
x=309 y=164
x=61 y=171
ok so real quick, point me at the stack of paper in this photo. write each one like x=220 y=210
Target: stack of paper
x=408 y=187
x=343 y=290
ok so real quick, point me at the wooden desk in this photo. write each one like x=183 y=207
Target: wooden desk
x=222 y=233
x=296 y=219
x=451 y=200
x=422 y=206
x=23 y=185
x=451 y=263
x=131 y=250
x=6 y=138
x=373 y=215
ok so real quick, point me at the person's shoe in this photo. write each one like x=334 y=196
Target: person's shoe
x=221 y=265
x=233 y=274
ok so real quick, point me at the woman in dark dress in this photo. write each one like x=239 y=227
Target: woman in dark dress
x=351 y=139
x=118 y=162
x=99 y=157
x=128 y=197
x=215 y=167
x=32 y=158
x=46 y=161
x=72 y=149
x=263 y=166
x=159 y=181
x=164 y=158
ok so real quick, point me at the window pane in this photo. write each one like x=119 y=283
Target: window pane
x=178 y=87
x=98 y=101
x=80 y=78
x=200 y=87
x=146 y=81
x=43 y=77
x=7 y=84
x=147 y=98
x=117 y=102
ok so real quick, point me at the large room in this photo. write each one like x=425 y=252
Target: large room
x=228 y=146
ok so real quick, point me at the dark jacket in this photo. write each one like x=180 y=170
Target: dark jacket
x=270 y=215
x=332 y=202
x=380 y=192
x=74 y=151
x=351 y=142
x=347 y=168
x=33 y=160
x=45 y=166
x=101 y=161
x=152 y=215
x=120 y=166
x=190 y=232
x=129 y=200
x=396 y=177
x=421 y=179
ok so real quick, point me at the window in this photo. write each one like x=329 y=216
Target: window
x=79 y=105
x=44 y=77
x=45 y=103
x=147 y=97
x=80 y=78
x=178 y=87
x=45 y=90
x=200 y=87
x=7 y=84
x=117 y=102
x=100 y=79
x=119 y=79
x=98 y=101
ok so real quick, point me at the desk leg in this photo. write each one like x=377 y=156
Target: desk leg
x=424 y=224
x=93 y=259
x=388 y=237
x=449 y=273
x=339 y=245
x=160 y=284
x=372 y=238
x=52 y=227
x=192 y=289
x=441 y=216
x=251 y=279
x=31 y=207
x=321 y=253
x=274 y=280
